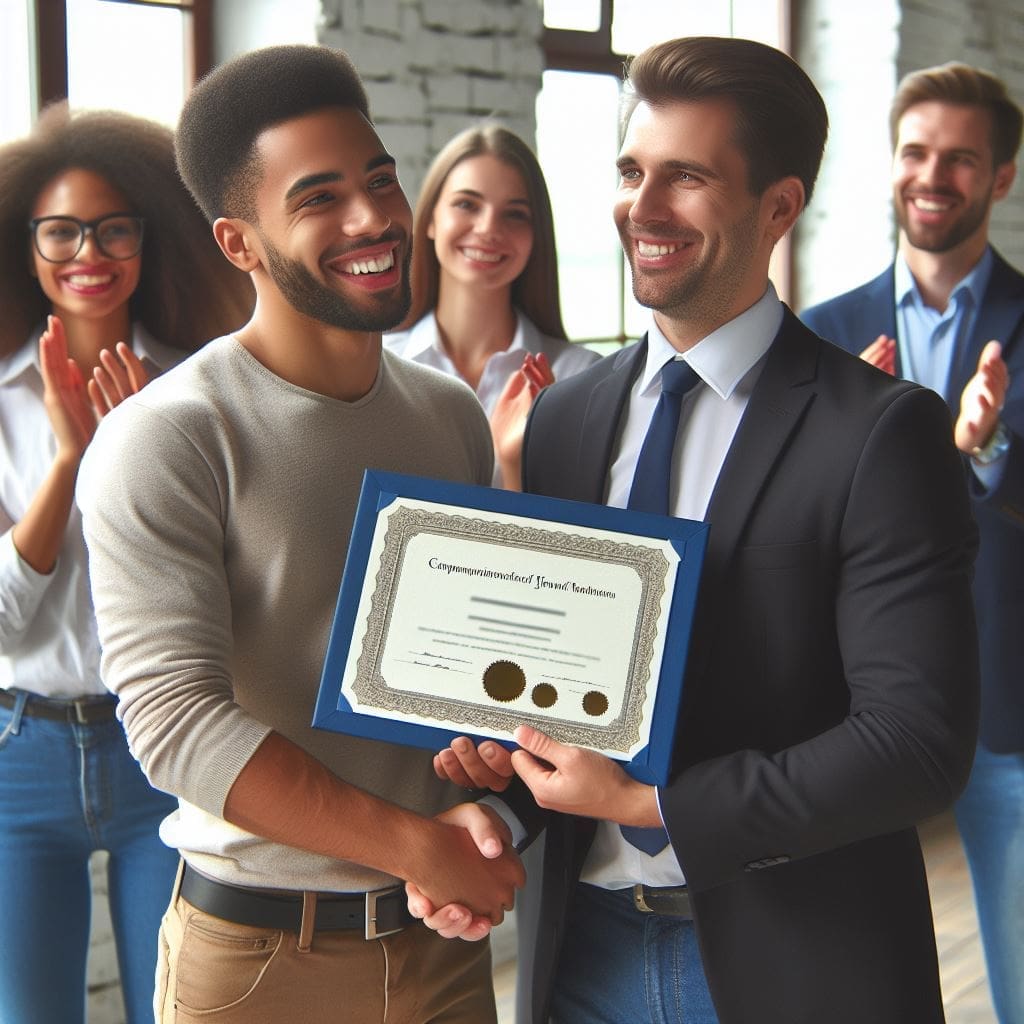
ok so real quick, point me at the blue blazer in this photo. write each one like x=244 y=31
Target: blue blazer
x=830 y=699
x=854 y=320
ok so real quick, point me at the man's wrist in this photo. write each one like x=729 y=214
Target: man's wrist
x=994 y=448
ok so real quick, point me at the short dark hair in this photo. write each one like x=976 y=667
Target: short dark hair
x=782 y=122
x=226 y=112
x=964 y=86
x=535 y=291
x=187 y=292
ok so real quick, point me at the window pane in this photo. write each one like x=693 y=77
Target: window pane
x=581 y=15
x=577 y=144
x=126 y=57
x=16 y=95
x=754 y=19
x=638 y=23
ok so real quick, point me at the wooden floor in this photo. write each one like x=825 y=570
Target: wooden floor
x=964 y=989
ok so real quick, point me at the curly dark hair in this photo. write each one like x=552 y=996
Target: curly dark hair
x=188 y=292
x=226 y=112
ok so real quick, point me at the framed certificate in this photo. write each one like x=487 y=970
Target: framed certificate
x=468 y=611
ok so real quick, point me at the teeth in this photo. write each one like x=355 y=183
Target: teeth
x=481 y=256
x=374 y=266
x=647 y=249
x=932 y=206
x=89 y=280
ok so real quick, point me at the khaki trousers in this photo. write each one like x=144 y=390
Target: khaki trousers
x=211 y=971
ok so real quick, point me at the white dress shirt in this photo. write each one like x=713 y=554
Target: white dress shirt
x=422 y=344
x=48 y=642
x=728 y=362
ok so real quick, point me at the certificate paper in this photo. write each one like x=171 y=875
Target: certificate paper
x=461 y=615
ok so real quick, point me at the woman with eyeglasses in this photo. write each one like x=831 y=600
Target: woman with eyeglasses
x=485 y=304
x=108 y=275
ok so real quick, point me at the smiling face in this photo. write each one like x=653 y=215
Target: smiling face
x=333 y=221
x=482 y=224
x=91 y=286
x=944 y=180
x=692 y=232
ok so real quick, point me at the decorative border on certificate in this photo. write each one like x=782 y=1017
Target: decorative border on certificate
x=507 y=696
x=466 y=610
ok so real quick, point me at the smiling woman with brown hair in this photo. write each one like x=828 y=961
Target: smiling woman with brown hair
x=484 y=270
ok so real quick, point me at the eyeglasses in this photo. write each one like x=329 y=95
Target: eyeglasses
x=60 y=239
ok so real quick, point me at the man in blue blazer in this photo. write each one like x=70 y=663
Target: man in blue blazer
x=949 y=313
x=830 y=697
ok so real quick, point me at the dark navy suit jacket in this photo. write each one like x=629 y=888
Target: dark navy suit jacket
x=830 y=699
x=854 y=320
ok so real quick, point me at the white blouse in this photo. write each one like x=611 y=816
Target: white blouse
x=48 y=641
x=422 y=344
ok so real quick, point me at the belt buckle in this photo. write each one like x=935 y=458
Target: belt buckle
x=639 y=901
x=79 y=705
x=372 y=898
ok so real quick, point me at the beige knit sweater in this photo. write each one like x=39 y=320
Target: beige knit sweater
x=217 y=506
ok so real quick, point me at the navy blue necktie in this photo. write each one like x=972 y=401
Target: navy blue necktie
x=652 y=480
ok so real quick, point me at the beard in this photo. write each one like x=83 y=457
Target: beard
x=707 y=288
x=308 y=296
x=942 y=239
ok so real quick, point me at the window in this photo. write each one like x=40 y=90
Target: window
x=134 y=55
x=586 y=43
x=17 y=99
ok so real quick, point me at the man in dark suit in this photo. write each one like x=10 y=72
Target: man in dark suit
x=830 y=697
x=950 y=311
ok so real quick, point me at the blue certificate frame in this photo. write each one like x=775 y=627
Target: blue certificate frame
x=531 y=531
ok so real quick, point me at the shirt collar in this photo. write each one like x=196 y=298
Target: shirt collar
x=973 y=283
x=726 y=355
x=144 y=345
x=22 y=360
x=424 y=336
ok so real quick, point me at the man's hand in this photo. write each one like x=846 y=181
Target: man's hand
x=577 y=781
x=64 y=394
x=488 y=766
x=508 y=420
x=117 y=377
x=881 y=353
x=982 y=400
x=492 y=839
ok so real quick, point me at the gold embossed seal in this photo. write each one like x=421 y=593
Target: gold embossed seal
x=544 y=695
x=504 y=681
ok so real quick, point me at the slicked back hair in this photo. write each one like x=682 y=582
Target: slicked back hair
x=965 y=86
x=227 y=111
x=535 y=291
x=187 y=292
x=781 y=121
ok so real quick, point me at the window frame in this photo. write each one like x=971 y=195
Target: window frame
x=51 y=33
x=591 y=52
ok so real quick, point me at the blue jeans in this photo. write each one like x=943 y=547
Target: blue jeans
x=620 y=966
x=65 y=791
x=990 y=816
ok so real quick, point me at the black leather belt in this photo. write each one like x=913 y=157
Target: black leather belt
x=376 y=913
x=672 y=901
x=82 y=710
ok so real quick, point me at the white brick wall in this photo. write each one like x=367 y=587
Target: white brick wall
x=434 y=67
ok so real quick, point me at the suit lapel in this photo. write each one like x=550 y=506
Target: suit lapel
x=776 y=405
x=603 y=419
x=880 y=307
x=999 y=319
